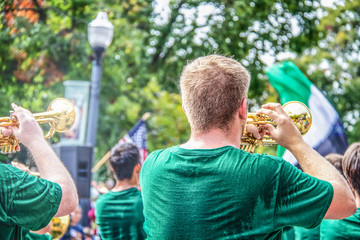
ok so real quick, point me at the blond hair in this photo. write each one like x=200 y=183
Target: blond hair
x=212 y=88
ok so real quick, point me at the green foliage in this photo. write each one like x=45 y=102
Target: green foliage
x=333 y=64
x=141 y=67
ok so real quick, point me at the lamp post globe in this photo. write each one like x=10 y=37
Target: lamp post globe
x=100 y=31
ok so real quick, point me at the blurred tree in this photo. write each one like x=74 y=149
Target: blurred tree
x=246 y=30
x=44 y=43
x=333 y=64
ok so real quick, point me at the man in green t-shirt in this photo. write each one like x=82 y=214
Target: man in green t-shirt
x=27 y=202
x=119 y=213
x=348 y=228
x=207 y=188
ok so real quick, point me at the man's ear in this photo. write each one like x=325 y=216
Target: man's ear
x=243 y=109
x=351 y=187
x=137 y=168
x=183 y=108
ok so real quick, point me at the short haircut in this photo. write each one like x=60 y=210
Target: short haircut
x=212 y=88
x=336 y=160
x=123 y=158
x=351 y=166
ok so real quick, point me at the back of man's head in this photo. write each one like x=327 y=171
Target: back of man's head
x=123 y=158
x=351 y=166
x=212 y=89
x=336 y=160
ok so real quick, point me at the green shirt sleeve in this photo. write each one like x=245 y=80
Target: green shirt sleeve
x=302 y=200
x=32 y=201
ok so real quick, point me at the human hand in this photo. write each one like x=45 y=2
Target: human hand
x=258 y=133
x=5 y=132
x=28 y=131
x=286 y=134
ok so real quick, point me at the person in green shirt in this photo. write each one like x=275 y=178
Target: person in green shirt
x=207 y=188
x=348 y=228
x=119 y=213
x=28 y=202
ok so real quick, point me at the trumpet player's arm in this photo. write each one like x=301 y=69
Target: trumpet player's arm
x=311 y=162
x=49 y=165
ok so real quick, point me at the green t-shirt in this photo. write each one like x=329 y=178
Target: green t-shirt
x=288 y=233
x=307 y=234
x=27 y=202
x=120 y=215
x=227 y=193
x=348 y=228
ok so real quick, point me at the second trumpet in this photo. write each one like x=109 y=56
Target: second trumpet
x=60 y=116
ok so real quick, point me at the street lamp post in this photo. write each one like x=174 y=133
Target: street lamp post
x=100 y=34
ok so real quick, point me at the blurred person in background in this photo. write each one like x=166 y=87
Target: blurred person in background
x=119 y=213
x=348 y=228
x=336 y=160
x=75 y=230
x=89 y=233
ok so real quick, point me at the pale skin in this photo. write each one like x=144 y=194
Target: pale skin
x=287 y=135
x=43 y=230
x=49 y=165
x=357 y=198
x=356 y=195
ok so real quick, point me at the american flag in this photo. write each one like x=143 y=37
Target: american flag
x=137 y=135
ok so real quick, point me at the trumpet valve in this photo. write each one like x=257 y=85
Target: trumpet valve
x=10 y=145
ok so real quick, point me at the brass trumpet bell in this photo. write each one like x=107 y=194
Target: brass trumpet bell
x=60 y=116
x=298 y=112
x=59 y=226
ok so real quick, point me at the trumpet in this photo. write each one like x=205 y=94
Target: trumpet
x=60 y=115
x=298 y=112
x=59 y=226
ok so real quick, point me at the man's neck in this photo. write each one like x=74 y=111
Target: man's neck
x=214 y=139
x=122 y=185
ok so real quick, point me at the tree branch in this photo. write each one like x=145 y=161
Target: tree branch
x=40 y=11
x=195 y=26
x=160 y=46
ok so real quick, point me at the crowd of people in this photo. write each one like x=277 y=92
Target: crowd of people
x=205 y=188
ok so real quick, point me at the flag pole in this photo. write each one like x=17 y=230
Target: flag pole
x=107 y=155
